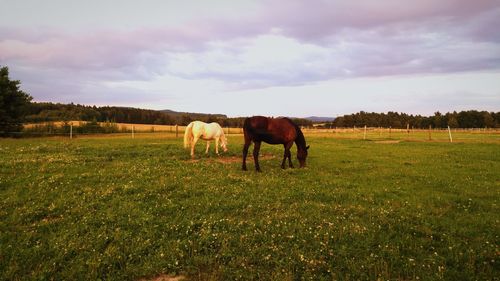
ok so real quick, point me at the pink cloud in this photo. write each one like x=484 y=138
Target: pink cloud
x=303 y=19
x=353 y=39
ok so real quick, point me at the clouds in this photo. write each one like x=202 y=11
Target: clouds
x=303 y=19
x=240 y=45
x=359 y=39
x=424 y=94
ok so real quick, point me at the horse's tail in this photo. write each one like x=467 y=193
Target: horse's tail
x=246 y=127
x=188 y=135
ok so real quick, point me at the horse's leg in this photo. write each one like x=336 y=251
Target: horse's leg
x=217 y=146
x=208 y=145
x=286 y=155
x=289 y=146
x=290 y=159
x=245 y=152
x=256 y=148
x=195 y=140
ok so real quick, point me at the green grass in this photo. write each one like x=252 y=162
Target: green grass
x=441 y=135
x=126 y=209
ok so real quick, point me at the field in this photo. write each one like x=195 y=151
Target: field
x=118 y=208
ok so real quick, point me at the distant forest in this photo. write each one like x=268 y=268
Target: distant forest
x=462 y=119
x=50 y=112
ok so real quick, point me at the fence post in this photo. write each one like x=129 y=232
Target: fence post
x=71 y=131
x=176 y=130
x=430 y=127
x=133 y=132
x=390 y=131
x=407 y=130
x=364 y=135
x=449 y=133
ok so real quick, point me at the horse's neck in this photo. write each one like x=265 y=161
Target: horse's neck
x=222 y=135
x=300 y=141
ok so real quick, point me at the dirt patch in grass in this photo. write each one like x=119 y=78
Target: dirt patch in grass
x=232 y=159
x=388 y=141
x=164 y=277
x=51 y=219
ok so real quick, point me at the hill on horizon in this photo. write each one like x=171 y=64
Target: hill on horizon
x=194 y=114
x=320 y=119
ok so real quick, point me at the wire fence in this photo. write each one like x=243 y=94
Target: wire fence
x=411 y=134
x=99 y=129
x=78 y=129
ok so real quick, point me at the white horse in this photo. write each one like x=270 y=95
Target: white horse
x=197 y=129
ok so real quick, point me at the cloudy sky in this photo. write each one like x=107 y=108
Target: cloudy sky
x=274 y=57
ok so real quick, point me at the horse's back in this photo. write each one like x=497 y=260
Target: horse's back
x=215 y=125
x=207 y=130
x=270 y=130
x=197 y=128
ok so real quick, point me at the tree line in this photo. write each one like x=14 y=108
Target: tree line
x=49 y=112
x=462 y=119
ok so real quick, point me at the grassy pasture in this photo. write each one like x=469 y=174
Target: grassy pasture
x=117 y=208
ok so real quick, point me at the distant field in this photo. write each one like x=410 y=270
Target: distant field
x=118 y=208
x=121 y=126
x=458 y=135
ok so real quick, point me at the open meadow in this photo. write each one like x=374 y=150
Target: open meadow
x=117 y=208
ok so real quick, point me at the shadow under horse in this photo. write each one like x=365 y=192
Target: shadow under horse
x=273 y=131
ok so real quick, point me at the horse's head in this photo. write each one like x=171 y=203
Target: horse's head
x=223 y=143
x=302 y=155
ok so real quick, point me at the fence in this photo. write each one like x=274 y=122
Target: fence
x=74 y=129
x=83 y=128
x=410 y=134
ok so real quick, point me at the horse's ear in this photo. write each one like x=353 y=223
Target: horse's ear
x=307 y=147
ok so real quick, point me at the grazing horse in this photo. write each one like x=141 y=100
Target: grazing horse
x=197 y=129
x=273 y=131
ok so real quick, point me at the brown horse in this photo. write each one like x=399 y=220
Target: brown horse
x=273 y=131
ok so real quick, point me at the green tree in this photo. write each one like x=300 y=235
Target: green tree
x=438 y=120
x=13 y=103
x=488 y=120
x=452 y=119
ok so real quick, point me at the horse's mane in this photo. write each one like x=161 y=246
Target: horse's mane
x=300 y=140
